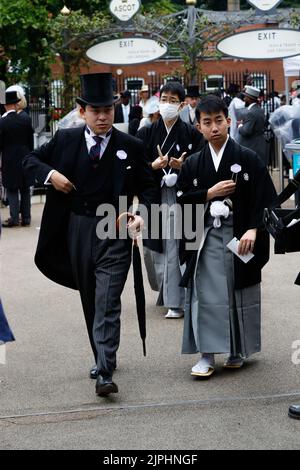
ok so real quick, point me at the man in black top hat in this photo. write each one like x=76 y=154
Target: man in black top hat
x=123 y=109
x=16 y=140
x=88 y=167
x=188 y=114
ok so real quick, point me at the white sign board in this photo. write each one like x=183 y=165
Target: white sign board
x=291 y=66
x=124 y=10
x=264 y=5
x=126 y=51
x=262 y=44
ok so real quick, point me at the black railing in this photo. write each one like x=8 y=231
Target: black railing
x=46 y=102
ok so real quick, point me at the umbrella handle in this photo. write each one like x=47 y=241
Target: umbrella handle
x=129 y=216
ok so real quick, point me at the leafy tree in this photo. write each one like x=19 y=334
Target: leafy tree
x=23 y=27
x=70 y=40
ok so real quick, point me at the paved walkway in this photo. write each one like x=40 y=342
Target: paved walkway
x=48 y=401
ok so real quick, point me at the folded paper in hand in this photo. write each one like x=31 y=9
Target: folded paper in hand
x=233 y=246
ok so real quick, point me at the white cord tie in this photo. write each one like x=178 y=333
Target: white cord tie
x=217 y=210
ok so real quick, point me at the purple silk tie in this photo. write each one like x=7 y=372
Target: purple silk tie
x=95 y=150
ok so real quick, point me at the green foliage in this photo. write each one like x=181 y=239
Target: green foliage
x=71 y=36
x=23 y=27
x=160 y=7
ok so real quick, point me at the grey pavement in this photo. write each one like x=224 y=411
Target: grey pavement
x=47 y=400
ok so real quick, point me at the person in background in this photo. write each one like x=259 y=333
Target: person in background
x=192 y=99
x=123 y=109
x=235 y=109
x=144 y=95
x=6 y=334
x=251 y=128
x=135 y=117
x=16 y=141
x=152 y=111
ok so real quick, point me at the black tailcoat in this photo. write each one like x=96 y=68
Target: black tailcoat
x=131 y=176
x=254 y=192
x=16 y=140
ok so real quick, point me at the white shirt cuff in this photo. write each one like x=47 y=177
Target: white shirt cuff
x=49 y=176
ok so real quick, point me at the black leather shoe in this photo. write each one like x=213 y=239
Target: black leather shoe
x=294 y=411
x=9 y=223
x=94 y=372
x=105 y=387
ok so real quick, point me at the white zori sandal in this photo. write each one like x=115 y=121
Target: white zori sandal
x=205 y=367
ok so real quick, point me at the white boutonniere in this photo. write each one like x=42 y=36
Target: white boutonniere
x=121 y=154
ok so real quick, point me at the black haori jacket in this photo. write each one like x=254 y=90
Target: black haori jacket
x=182 y=138
x=131 y=176
x=254 y=192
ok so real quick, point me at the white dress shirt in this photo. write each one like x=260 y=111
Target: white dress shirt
x=192 y=112
x=126 y=111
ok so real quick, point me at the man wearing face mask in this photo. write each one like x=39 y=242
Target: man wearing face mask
x=168 y=142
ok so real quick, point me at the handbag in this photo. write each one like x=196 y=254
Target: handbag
x=278 y=221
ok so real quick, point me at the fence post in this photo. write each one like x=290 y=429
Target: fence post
x=279 y=162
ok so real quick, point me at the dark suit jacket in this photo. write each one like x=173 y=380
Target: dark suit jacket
x=252 y=131
x=16 y=140
x=119 y=113
x=131 y=176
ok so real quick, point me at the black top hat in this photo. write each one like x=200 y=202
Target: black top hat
x=192 y=91
x=96 y=90
x=125 y=94
x=11 y=97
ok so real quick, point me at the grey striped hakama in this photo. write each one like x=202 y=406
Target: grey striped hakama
x=218 y=317
x=163 y=269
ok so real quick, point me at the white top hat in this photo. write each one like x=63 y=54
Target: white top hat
x=16 y=88
x=252 y=91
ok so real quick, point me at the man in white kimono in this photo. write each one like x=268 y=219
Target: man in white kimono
x=223 y=299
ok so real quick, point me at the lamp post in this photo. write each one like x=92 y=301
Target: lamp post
x=191 y=23
x=67 y=71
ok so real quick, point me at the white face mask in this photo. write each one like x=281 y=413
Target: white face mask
x=168 y=111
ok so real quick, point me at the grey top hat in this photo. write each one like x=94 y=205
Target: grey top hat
x=97 y=90
x=252 y=92
x=11 y=97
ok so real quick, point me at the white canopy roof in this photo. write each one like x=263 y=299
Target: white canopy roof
x=291 y=66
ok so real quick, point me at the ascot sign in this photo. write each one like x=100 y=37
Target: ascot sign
x=126 y=51
x=262 y=44
x=124 y=10
x=264 y=5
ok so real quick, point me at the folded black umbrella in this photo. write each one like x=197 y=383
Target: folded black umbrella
x=139 y=292
x=138 y=285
